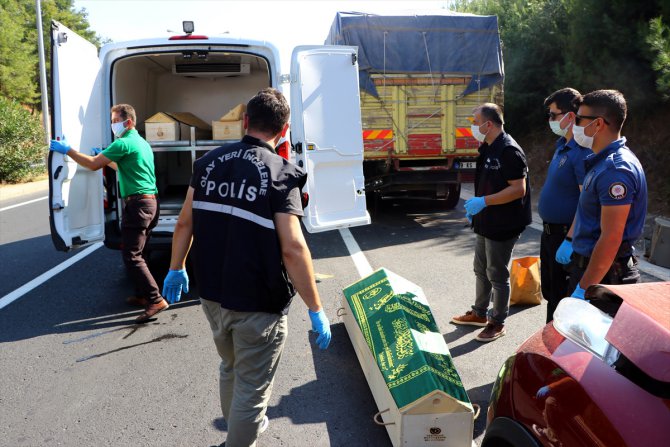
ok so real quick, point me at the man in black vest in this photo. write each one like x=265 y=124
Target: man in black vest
x=499 y=213
x=242 y=216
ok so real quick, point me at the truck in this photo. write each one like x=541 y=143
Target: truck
x=420 y=77
x=204 y=77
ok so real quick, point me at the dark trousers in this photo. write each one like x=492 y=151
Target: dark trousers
x=624 y=270
x=140 y=216
x=553 y=275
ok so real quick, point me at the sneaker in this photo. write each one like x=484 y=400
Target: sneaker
x=264 y=425
x=470 y=318
x=492 y=332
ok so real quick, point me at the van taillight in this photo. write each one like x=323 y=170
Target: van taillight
x=284 y=149
x=189 y=37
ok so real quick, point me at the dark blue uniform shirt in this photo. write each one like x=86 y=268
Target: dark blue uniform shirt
x=560 y=193
x=614 y=177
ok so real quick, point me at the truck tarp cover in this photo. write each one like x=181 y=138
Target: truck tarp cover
x=446 y=42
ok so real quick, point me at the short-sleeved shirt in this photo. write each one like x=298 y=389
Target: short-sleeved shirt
x=560 y=193
x=135 y=161
x=497 y=164
x=238 y=189
x=614 y=176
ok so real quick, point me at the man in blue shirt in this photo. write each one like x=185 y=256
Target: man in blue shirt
x=613 y=203
x=559 y=197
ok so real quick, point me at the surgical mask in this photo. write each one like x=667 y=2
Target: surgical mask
x=477 y=134
x=118 y=128
x=556 y=127
x=581 y=138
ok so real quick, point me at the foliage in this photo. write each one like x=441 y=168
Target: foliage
x=22 y=143
x=659 y=42
x=19 y=71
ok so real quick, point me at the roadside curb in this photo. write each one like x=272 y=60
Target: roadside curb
x=654 y=270
x=13 y=191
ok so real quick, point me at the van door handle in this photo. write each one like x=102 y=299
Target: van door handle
x=57 y=173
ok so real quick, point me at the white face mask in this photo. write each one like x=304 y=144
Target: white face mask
x=118 y=128
x=556 y=127
x=581 y=138
x=477 y=134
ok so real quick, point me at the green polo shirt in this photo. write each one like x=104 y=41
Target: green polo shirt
x=135 y=160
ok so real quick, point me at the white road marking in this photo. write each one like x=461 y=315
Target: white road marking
x=18 y=293
x=24 y=203
x=360 y=261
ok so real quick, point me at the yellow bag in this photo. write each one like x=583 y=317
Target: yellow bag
x=525 y=281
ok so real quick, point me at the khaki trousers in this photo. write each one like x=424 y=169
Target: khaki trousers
x=250 y=345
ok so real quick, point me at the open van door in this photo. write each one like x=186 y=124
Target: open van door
x=76 y=213
x=327 y=136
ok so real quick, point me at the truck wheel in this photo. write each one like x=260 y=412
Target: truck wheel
x=453 y=196
x=373 y=202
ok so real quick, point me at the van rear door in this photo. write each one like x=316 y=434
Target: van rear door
x=327 y=136
x=76 y=214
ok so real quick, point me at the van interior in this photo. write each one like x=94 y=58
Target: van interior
x=207 y=84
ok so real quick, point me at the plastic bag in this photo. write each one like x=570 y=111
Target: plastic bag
x=525 y=286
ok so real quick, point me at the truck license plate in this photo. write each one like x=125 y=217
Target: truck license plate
x=468 y=165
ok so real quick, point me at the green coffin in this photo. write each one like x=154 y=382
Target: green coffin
x=398 y=325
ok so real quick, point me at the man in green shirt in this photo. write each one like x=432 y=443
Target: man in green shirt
x=131 y=156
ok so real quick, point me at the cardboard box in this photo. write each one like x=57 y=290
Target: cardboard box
x=227 y=130
x=175 y=126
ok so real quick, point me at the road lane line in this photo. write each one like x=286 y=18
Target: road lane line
x=360 y=261
x=18 y=293
x=24 y=203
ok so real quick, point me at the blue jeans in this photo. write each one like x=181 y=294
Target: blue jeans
x=491 y=267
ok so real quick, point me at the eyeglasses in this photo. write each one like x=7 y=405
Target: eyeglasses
x=579 y=118
x=552 y=115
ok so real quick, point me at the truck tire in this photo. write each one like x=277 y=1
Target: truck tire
x=453 y=196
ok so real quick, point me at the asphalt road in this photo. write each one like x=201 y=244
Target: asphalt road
x=76 y=371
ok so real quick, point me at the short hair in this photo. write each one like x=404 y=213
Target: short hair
x=491 y=112
x=126 y=111
x=610 y=104
x=268 y=111
x=567 y=100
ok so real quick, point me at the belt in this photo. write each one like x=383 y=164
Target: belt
x=561 y=229
x=583 y=261
x=139 y=196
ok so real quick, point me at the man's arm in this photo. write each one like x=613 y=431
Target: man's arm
x=515 y=190
x=183 y=234
x=612 y=225
x=87 y=161
x=297 y=259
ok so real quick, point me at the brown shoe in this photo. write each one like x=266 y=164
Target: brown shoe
x=137 y=301
x=470 y=318
x=151 y=310
x=491 y=332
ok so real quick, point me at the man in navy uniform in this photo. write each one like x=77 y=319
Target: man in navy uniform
x=613 y=203
x=558 y=200
x=242 y=215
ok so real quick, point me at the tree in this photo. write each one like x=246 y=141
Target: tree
x=659 y=42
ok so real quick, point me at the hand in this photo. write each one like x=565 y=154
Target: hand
x=469 y=217
x=60 y=146
x=321 y=325
x=95 y=151
x=174 y=283
x=578 y=293
x=542 y=392
x=475 y=205
x=564 y=252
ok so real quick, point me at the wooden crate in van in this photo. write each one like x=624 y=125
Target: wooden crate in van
x=175 y=126
x=230 y=126
x=419 y=394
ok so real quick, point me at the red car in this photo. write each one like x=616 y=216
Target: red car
x=598 y=375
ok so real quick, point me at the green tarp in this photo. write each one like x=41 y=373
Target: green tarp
x=404 y=339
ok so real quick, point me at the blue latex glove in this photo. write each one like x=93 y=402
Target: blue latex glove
x=475 y=205
x=175 y=282
x=95 y=151
x=60 y=146
x=564 y=252
x=542 y=392
x=578 y=293
x=321 y=325
x=469 y=217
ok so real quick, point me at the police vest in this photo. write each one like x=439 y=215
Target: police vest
x=236 y=253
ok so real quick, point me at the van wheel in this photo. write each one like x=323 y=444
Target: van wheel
x=453 y=196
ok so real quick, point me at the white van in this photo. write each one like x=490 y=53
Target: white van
x=206 y=77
